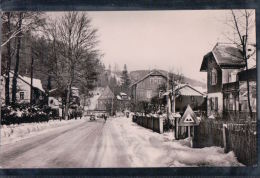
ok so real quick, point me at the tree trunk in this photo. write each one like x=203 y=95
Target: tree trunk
x=67 y=101
x=31 y=93
x=8 y=65
x=247 y=79
x=16 y=70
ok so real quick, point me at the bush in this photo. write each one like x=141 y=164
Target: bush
x=23 y=113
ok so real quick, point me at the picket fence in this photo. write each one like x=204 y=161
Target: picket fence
x=153 y=123
x=238 y=137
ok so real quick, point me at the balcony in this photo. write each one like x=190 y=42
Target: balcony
x=233 y=86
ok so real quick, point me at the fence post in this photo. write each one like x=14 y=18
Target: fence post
x=225 y=137
x=161 y=125
x=152 y=123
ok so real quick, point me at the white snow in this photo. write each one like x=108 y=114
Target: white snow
x=150 y=149
x=14 y=133
x=94 y=100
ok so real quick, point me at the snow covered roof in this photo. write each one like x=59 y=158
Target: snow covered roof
x=37 y=83
x=118 y=97
x=185 y=90
x=225 y=56
x=123 y=94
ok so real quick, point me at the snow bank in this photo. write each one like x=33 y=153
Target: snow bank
x=13 y=133
x=149 y=149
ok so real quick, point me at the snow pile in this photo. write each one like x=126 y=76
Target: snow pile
x=15 y=132
x=149 y=149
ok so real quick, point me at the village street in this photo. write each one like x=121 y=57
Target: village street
x=117 y=143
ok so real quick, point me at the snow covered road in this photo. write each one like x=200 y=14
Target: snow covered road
x=116 y=143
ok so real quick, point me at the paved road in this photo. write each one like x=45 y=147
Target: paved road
x=86 y=144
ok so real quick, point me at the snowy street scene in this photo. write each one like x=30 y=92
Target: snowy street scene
x=128 y=89
x=117 y=143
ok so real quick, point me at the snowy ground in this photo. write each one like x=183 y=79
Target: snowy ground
x=14 y=133
x=117 y=143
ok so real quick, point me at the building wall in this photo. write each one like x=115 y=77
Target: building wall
x=182 y=101
x=148 y=88
x=213 y=109
x=218 y=86
x=226 y=75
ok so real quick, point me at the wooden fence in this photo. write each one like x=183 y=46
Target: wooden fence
x=238 y=137
x=153 y=123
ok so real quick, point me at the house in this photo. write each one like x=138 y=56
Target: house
x=147 y=87
x=106 y=100
x=55 y=101
x=123 y=101
x=222 y=65
x=186 y=95
x=23 y=94
x=235 y=95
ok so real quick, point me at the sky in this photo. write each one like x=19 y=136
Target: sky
x=173 y=40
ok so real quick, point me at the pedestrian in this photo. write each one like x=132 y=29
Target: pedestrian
x=105 y=117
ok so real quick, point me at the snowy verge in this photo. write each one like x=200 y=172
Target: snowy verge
x=15 y=132
x=150 y=149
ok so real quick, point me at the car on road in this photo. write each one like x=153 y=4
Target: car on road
x=92 y=117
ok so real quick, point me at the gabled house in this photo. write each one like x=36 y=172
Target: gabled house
x=147 y=87
x=23 y=94
x=106 y=100
x=186 y=95
x=222 y=65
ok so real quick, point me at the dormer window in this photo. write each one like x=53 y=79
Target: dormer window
x=213 y=76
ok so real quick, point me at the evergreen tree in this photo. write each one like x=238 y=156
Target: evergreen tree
x=125 y=80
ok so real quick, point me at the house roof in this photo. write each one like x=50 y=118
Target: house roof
x=226 y=56
x=185 y=90
x=107 y=94
x=152 y=73
x=188 y=90
x=37 y=83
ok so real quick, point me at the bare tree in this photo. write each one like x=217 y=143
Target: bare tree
x=242 y=23
x=74 y=51
x=17 y=24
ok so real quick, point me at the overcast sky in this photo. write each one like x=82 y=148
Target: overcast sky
x=159 y=39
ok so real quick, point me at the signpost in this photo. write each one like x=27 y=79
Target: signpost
x=189 y=119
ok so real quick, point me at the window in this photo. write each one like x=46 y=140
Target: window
x=232 y=76
x=149 y=94
x=192 y=98
x=213 y=76
x=21 y=95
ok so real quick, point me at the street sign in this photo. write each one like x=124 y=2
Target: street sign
x=189 y=118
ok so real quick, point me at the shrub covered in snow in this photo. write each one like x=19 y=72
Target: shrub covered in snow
x=23 y=113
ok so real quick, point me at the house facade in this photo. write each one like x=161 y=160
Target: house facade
x=222 y=65
x=123 y=101
x=186 y=95
x=106 y=100
x=23 y=94
x=235 y=95
x=147 y=87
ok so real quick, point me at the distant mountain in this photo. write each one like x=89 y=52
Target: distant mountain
x=138 y=74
